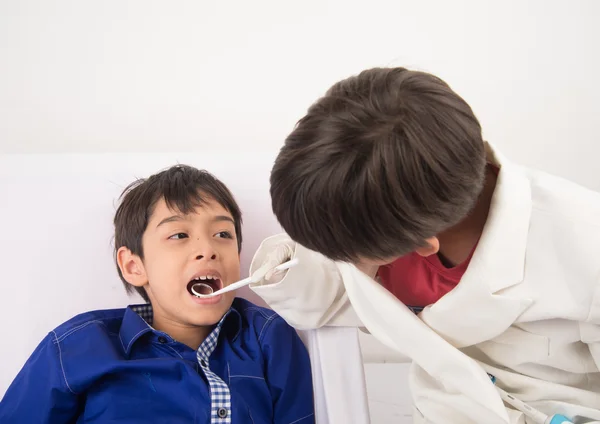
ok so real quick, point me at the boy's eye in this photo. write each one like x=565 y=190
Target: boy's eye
x=178 y=236
x=224 y=234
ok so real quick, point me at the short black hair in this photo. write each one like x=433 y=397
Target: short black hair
x=383 y=161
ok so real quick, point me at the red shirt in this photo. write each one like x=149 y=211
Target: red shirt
x=419 y=281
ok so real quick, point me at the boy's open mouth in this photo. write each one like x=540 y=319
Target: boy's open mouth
x=202 y=285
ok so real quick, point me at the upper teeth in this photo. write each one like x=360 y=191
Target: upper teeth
x=206 y=277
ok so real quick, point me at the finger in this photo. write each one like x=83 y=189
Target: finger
x=274 y=276
x=261 y=272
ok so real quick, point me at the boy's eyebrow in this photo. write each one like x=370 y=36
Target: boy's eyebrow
x=221 y=218
x=173 y=218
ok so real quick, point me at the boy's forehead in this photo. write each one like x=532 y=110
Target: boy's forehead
x=209 y=207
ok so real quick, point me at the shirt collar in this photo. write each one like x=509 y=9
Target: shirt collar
x=137 y=321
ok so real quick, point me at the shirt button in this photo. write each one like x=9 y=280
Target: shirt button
x=222 y=413
x=162 y=340
x=203 y=363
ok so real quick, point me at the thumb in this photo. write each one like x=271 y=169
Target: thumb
x=264 y=270
x=269 y=275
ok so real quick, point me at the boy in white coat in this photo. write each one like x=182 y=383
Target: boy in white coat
x=407 y=223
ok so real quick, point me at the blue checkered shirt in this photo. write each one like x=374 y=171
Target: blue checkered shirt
x=220 y=396
x=112 y=366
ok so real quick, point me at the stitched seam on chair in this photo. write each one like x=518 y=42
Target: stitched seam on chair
x=62 y=368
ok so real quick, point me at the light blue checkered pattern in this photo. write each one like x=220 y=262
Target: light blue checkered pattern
x=220 y=396
x=145 y=312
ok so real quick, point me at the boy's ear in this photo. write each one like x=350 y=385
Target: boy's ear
x=131 y=267
x=431 y=247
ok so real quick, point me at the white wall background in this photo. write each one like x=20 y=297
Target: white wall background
x=221 y=79
x=149 y=75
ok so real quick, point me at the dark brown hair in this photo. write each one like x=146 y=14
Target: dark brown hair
x=183 y=188
x=385 y=160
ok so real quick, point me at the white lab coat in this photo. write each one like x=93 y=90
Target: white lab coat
x=527 y=310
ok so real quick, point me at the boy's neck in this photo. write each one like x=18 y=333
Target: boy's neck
x=189 y=335
x=457 y=243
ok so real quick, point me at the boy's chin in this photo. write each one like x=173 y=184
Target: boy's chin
x=210 y=315
x=204 y=323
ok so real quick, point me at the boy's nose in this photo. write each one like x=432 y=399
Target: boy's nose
x=204 y=250
x=213 y=256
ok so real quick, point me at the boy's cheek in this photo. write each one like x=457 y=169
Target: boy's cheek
x=229 y=296
x=233 y=273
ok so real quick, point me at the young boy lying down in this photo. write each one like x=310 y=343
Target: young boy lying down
x=178 y=358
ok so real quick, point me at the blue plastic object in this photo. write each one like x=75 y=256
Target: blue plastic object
x=560 y=419
x=555 y=419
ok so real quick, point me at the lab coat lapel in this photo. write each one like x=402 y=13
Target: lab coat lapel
x=393 y=324
x=477 y=309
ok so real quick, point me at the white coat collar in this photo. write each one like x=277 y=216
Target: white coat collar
x=397 y=327
x=477 y=310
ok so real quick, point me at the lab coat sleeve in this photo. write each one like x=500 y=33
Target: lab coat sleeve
x=595 y=347
x=311 y=294
x=40 y=392
x=590 y=330
x=434 y=402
